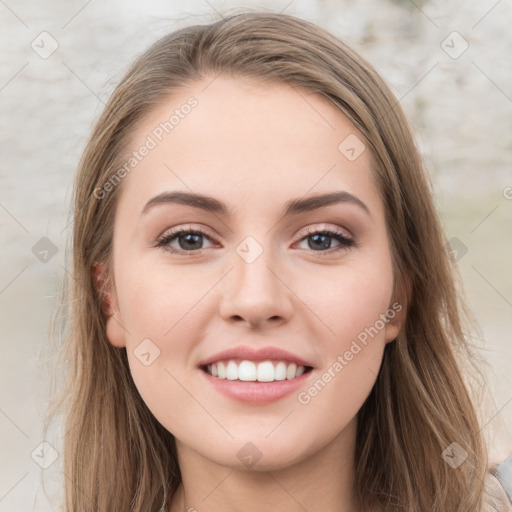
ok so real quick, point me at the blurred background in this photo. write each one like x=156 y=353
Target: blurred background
x=448 y=64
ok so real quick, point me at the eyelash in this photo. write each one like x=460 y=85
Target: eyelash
x=163 y=241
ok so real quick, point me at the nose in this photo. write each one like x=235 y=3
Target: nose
x=256 y=293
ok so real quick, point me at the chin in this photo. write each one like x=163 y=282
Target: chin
x=258 y=455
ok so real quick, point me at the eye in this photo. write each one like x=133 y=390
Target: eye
x=321 y=240
x=189 y=241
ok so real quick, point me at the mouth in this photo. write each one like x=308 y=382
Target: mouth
x=256 y=376
x=245 y=370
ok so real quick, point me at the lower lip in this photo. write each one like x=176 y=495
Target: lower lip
x=256 y=392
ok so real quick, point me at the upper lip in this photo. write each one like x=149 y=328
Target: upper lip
x=253 y=354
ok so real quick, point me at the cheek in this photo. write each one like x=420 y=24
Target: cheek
x=364 y=299
x=156 y=300
x=351 y=298
x=352 y=355
x=159 y=307
x=354 y=307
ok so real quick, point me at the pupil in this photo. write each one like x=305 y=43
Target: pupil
x=190 y=242
x=325 y=244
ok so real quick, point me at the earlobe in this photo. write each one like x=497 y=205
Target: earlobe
x=114 y=328
x=397 y=311
x=115 y=332
x=392 y=330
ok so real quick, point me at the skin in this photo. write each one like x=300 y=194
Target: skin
x=253 y=147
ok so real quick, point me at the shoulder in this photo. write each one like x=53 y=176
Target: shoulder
x=498 y=488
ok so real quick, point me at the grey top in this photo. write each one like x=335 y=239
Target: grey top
x=498 y=488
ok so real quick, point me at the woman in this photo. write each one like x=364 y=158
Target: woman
x=263 y=315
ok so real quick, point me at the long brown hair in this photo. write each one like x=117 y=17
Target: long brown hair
x=117 y=456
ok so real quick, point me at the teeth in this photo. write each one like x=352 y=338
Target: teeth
x=232 y=371
x=249 y=371
x=221 y=371
x=291 y=370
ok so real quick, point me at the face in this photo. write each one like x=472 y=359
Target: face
x=289 y=298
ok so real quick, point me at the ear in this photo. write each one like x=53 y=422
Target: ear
x=397 y=310
x=115 y=331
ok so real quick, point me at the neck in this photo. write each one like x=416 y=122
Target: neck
x=323 y=481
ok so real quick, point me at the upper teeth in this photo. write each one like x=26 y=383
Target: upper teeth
x=265 y=371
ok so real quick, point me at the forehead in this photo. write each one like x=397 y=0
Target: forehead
x=264 y=142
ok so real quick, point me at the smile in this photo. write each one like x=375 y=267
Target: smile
x=250 y=371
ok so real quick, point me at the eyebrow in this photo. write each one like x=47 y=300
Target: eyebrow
x=291 y=207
